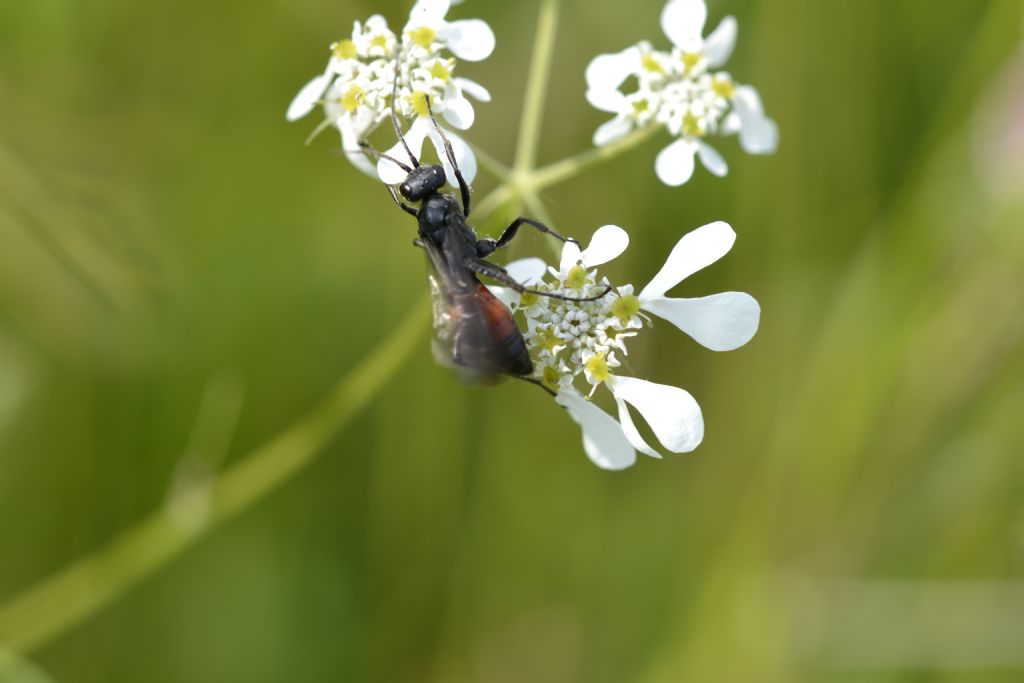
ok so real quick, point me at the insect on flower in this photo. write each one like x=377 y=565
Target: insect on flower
x=474 y=331
x=581 y=343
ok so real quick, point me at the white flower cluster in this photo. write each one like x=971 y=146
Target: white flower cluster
x=573 y=342
x=356 y=87
x=681 y=90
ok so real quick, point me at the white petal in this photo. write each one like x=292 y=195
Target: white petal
x=608 y=242
x=392 y=174
x=350 y=145
x=610 y=100
x=719 y=45
x=674 y=164
x=607 y=72
x=469 y=39
x=458 y=111
x=721 y=322
x=603 y=440
x=673 y=414
x=428 y=13
x=711 y=159
x=570 y=256
x=307 y=98
x=632 y=433
x=464 y=156
x=376 y=23
x=527 y=271
x=610 y=131
x=731 y=124
x=759 y=136
x=697 y=249
x=758 y=133
x=473 y=89
x=683 y=21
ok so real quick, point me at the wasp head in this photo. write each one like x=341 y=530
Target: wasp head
x=421 y=182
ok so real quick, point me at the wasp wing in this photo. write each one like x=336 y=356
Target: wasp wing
x=474 y=333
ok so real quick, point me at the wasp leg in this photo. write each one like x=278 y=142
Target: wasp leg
x=450 y=153
x=487 y=245
x=495 y=272
x=533 y=380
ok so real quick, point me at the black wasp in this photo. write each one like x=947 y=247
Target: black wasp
x=473 y=330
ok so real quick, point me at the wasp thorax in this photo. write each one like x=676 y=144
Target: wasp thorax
x=422 y=182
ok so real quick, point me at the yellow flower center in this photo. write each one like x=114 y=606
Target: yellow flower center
x=380 y=41
x=421 y=103
x=345 y=49
x=549 y=340
x=597 y=367
x=691 y=125
x=651 y=64
x=723 y=86
x=576 y=278
x=640 y=106
x=439 y=70
x=423 y=36
x=550 y=378
x=353 y=97
x=625 y=307
x=691 y=60
x=527 y=299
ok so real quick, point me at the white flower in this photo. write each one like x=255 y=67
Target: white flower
x=356 y=87
x=580 y=339
x=683 y=23
x=720 y=322
x=611 y=444
x=676 y=89
x=758 y=133
x=469 y=39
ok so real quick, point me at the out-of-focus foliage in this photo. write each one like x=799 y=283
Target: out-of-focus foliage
x=181 y=279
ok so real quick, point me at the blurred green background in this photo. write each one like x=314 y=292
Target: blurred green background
x=181 y=280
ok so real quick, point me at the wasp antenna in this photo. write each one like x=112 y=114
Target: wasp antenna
x=394 y=115
x=368 y=150
x=450 y=153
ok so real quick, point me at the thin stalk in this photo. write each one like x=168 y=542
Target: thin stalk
x=77 y=592
x=488 y=163
x=536 y=87
x=568 y=168
x=93 y=582
x=489 y=204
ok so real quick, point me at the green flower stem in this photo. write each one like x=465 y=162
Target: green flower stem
x=501 y=196
x=569 y=168
x=536 y=87
x=75 y=593
x=488 y=163
x=528 y=184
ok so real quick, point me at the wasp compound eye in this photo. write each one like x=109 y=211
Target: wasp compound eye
x=422 y=182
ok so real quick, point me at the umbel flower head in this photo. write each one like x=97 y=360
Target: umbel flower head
x=683 y=90
x=355 y=89
x=578 y=346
